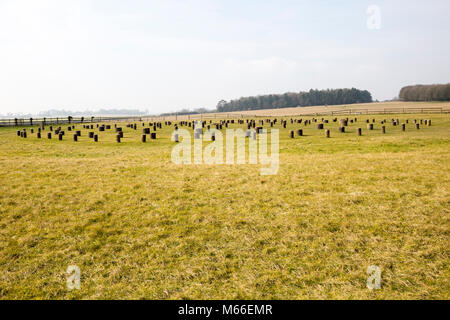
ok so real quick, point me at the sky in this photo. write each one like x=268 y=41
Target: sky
x=168 y=55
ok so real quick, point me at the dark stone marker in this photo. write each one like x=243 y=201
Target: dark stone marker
x=359 y=131
x=319 y=126
x=370 y=126
x=78 y=133
x=118 y=137
x=403 y=127
x=300 y=132
x=75 y=137
x=291 y=134
x=95 y=138
x=91 y=134
x=383 y=129
x=60 y=137
x=153 y=135
x=327 y=133
x=417 y=126
x=18 y=133
x=49 y=135
x=342 y=129
x=144 y=138
x=38 y=135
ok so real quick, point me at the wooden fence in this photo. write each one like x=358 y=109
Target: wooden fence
x=62 y=120
x=356 y=112
x=204 y=116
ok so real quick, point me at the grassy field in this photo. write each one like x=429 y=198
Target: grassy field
x=141 y=227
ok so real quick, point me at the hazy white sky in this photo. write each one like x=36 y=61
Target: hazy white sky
x=167 y=55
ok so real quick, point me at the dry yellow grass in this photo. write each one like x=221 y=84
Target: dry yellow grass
x=376 y=106
x=139 y=226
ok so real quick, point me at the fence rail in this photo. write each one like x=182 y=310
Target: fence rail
x=66 y=120
x=358 y=112
x=62 y=120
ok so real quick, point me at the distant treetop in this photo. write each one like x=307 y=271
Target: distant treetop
x=433 y=92
x=294 y=99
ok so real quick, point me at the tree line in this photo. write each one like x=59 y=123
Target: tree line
x=186 y=112
x=294 y=99
x=433 y=92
